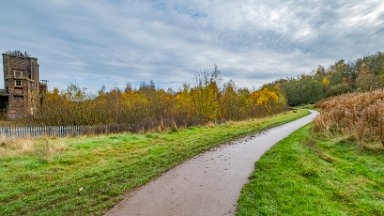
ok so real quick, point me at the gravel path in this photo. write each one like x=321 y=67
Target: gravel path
x=208 y=184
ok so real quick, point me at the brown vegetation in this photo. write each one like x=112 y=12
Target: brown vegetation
x=149 y=108
x=357 y=114
x=42 y=146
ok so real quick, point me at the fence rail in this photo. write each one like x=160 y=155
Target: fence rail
x=61 y=131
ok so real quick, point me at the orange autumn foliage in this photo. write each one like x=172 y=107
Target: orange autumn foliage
x=149 y=108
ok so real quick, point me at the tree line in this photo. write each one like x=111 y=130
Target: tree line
x=364 y=74
x=148 y=107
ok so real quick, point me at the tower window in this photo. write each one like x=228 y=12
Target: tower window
x=21 y=74
x=18 y=83
x=18 y=74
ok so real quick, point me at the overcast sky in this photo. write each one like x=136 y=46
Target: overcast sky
x=113 y=42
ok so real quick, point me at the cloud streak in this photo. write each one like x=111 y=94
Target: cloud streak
x=111 y=43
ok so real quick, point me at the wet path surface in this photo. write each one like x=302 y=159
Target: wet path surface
x=208 y=184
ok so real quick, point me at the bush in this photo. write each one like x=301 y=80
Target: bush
x=339 y=89
x=150 y=109
x=358 y=114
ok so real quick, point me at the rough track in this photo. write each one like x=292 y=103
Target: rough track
x=208 y=184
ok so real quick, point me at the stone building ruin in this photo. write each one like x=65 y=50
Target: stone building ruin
x=23 y=91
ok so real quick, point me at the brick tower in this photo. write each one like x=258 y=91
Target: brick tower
x=21 y=81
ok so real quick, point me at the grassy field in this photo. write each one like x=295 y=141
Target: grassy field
x=310 y=175
x=84 y=175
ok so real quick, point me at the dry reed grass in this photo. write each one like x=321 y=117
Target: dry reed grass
x=38 y=146
x=358 y=114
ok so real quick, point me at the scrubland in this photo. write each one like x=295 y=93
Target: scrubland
x=358 y=116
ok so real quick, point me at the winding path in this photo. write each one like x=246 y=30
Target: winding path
x=208 y=184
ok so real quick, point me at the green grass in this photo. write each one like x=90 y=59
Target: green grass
x=92 y=174
x=306 y=106
x=306 y=174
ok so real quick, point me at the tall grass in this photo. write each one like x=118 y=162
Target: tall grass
x=360 y=115
x=26 y=146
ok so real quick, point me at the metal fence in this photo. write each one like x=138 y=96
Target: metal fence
x=61 y=131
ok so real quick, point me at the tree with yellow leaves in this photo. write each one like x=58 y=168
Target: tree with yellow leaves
x=149 y=108
x=325 y=83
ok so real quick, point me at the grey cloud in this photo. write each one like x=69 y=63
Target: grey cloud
x=115 y=42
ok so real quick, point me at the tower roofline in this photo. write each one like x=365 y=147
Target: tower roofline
x=18 y=54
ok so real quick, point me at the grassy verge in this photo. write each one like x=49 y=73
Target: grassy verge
x=307 y=106
x=309 y=175
x=90 y=175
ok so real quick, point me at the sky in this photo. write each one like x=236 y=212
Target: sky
x=113 y=42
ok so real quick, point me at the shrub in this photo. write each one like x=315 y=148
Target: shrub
x=150 y=109
x=358 y=114
x=339 y=89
